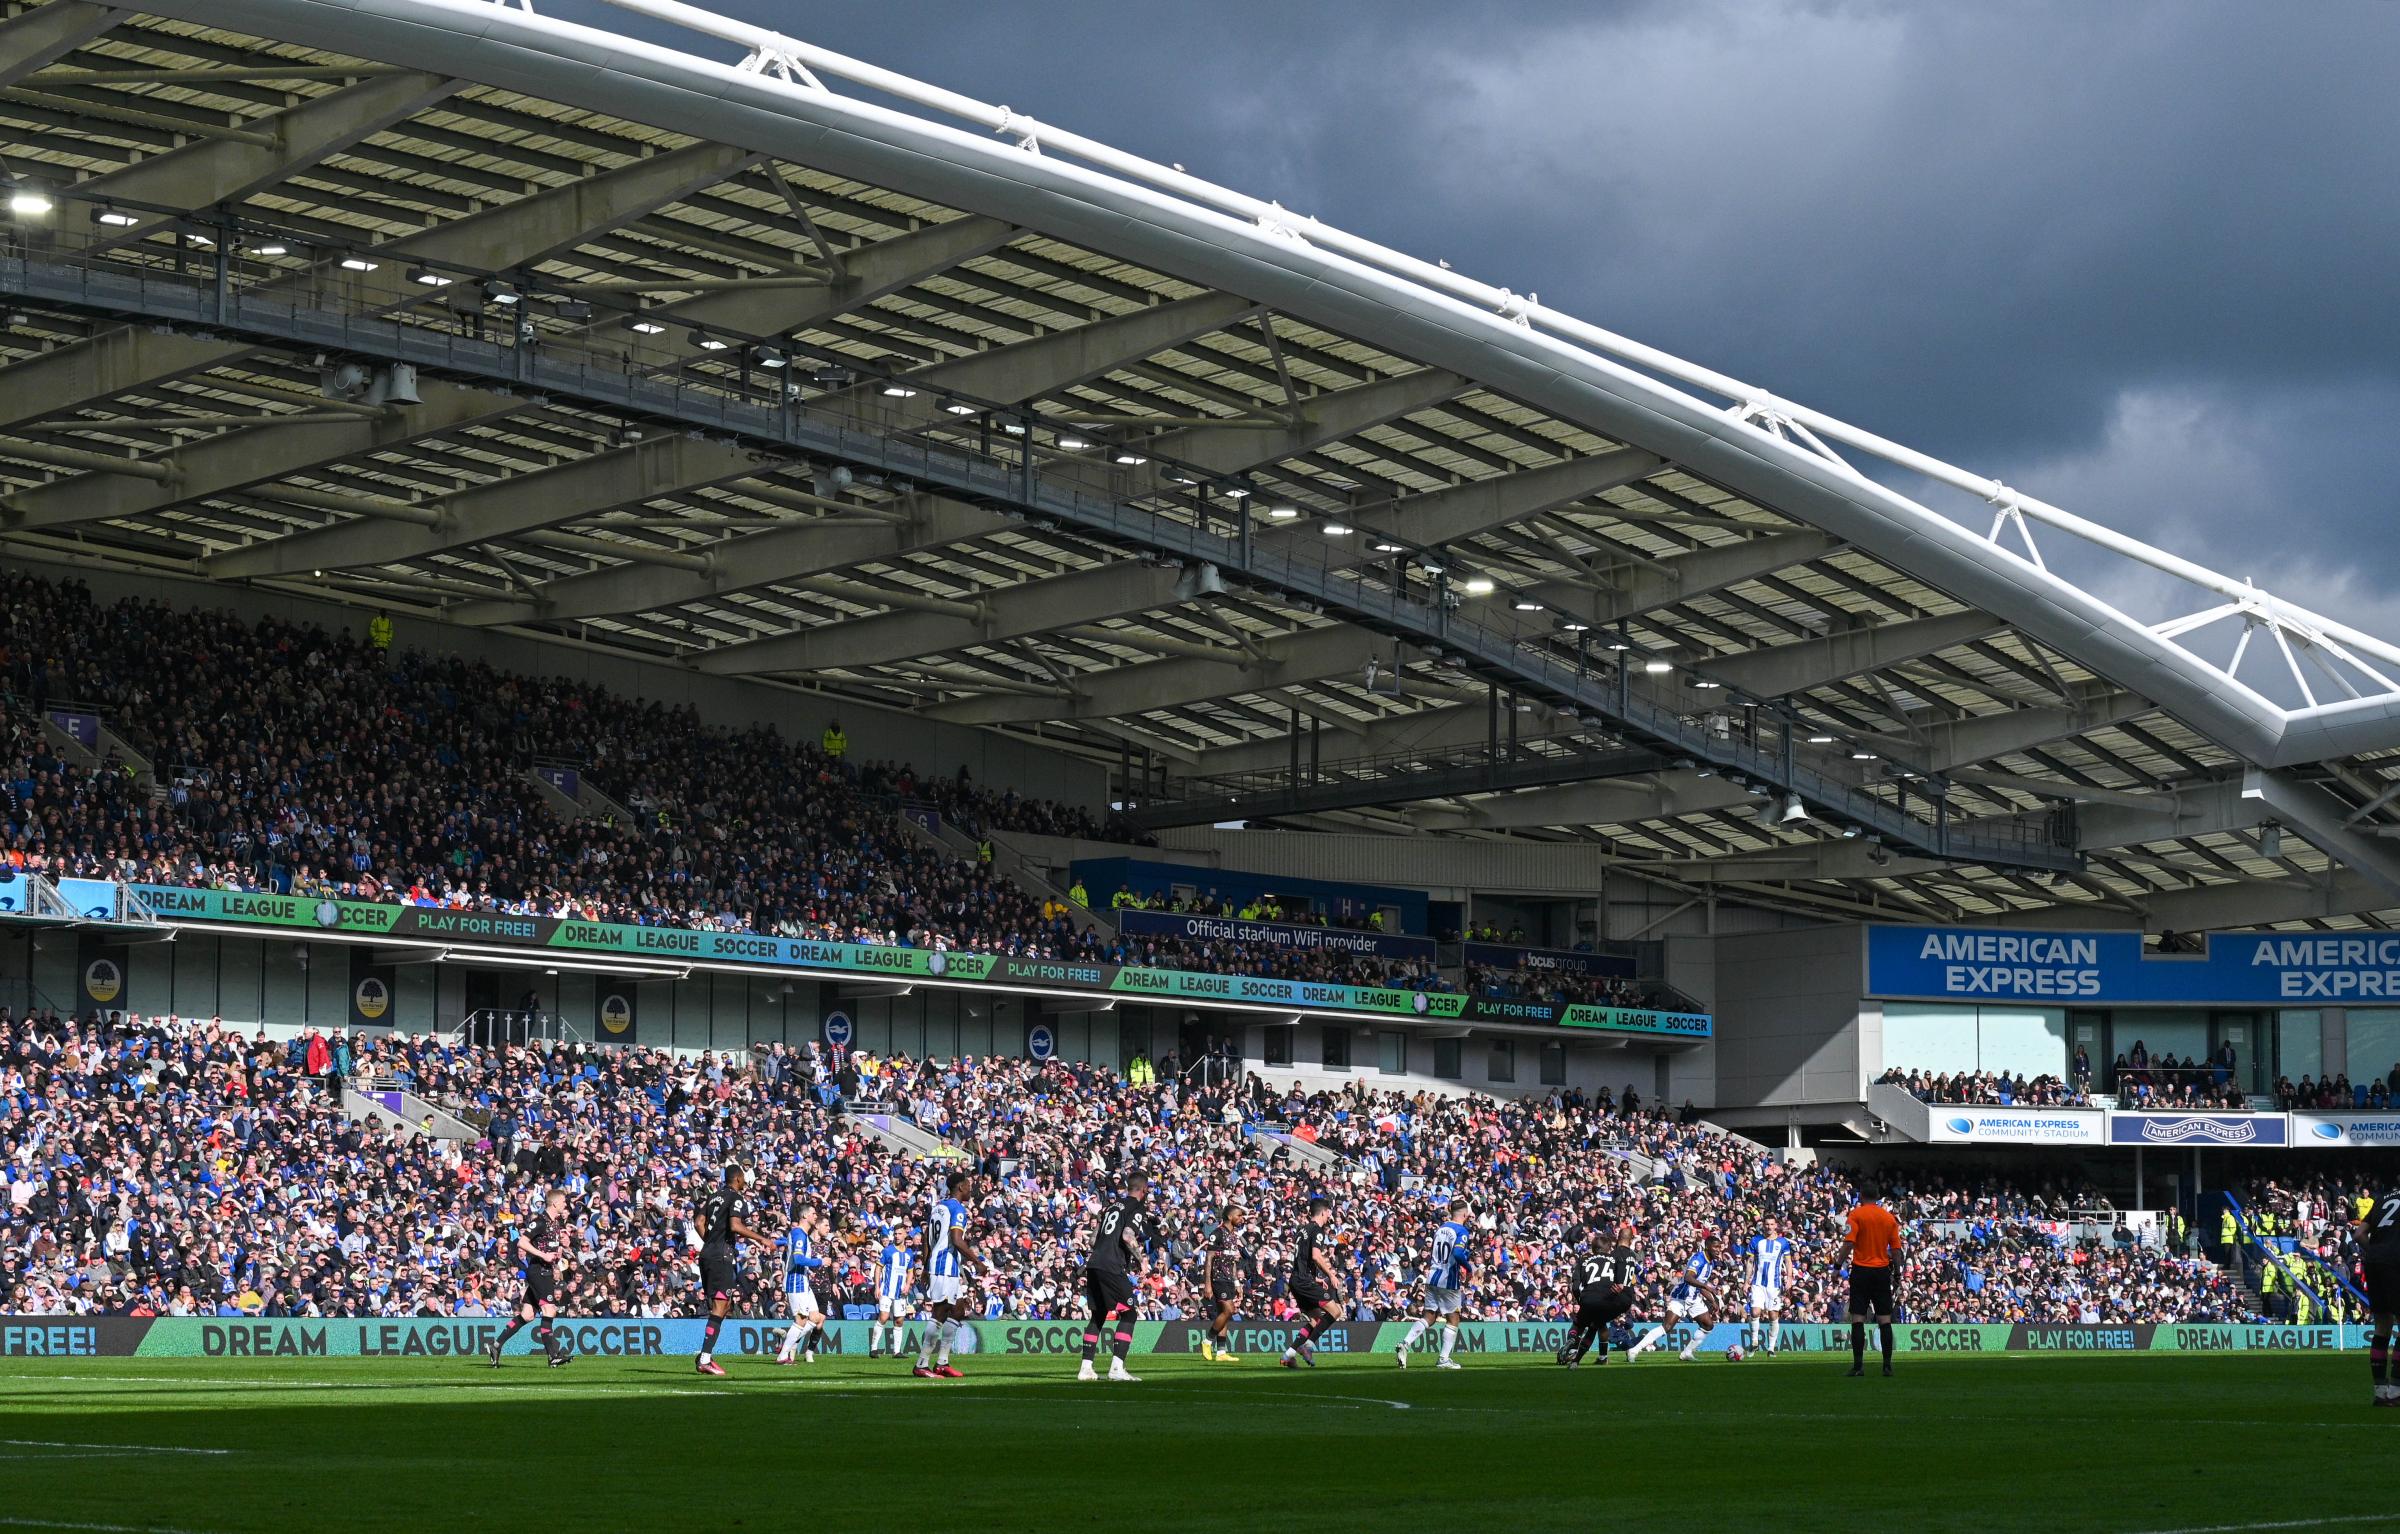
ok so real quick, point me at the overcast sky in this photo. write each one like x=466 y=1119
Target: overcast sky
x=2137 y=258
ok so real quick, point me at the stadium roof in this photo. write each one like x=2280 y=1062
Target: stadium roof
x=785 y=366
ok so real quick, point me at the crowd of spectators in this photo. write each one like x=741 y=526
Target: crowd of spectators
x=2338 y=1091
x=1562 y=987
x=300 y=760
x=2141 y=1080
x=1987 y=1088
x=175 y=1167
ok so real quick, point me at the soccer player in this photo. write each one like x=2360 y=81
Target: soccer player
x=2380 y=1264
x=800 y=1264
x=542 y=1245
x=1312 y=1284
x=1117 y=1255
x=724 y=1218
x=1693 y=1300
x=1224 y=1284
x=1443 y=1275
x=892 y=1266
x=947 y=1253
x=1769 y=1255
x=1874 y=1238
x=1602 y=1287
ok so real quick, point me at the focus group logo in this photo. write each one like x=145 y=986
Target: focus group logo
x=373 y=999
x=103 y=981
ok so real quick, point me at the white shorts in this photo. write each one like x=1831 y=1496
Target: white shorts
x=1442 y=1302
x=891 y=1306
x=944 y=1288
x=803 y=1302
x=1764 y=1298
x=1685 y=1310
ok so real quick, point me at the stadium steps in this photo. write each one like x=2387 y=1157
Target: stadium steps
x=586 y=803
x=905 y=1137
x=1010 y=858
x=395 y=1107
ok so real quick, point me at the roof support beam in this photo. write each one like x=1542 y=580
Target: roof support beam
x=1780 y=670
x=1442 y=516
x=1003 y=375
x=1321 y=419
x=868 y=273
x=206 y=172
x=1686 y=576
x=48 y=33
x=1295 y=658
x=659 y=466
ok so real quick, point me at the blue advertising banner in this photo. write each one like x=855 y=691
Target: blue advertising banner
x=16 y=896
x=95 y=898
x=1512 y=956
x=2198 y=1131
x=1226 y=929
x=2232 y=969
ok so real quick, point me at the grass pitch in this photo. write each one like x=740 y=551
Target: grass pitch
x=2054 y=1444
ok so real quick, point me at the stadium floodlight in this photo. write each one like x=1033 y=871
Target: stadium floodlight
x=1862 y=756
x=1237 y=491
x=1130 y=459
x=1283 y=513
x=113 y=218
x=708 y=343
x=1479 y=586
x=1337 y=529
x=1793 y=810
x=956 y=408
x=428 y=279
x=1070 y=443
x=643 y=327
x=1389 y=547
x=769 y=357
x=359 y=264
x=272 y=248
x=1820 y=740
x=1703 y=684
x=898 y=391
x=1527 y=605
x=1658 y=667
x=29 y=202
x=501 y=293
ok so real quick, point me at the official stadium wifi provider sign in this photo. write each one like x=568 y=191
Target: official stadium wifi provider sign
x=672 y=944
x=2233 y=968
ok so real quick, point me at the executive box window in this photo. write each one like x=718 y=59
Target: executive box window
x=1503 y=1064
x=1391 y=1052
x=1446 y=1056
x=1554 y=1065
x=1336 y=1047
x=1278 y=1046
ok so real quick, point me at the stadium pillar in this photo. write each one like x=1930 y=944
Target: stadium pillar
x=2139 y=1202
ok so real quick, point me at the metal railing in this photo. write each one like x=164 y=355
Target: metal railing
x=1003 y=457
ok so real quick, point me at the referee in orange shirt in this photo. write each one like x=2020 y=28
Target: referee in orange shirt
x=1874 y=1251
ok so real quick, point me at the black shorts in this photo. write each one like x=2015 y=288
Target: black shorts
x=541 y=1286
x=720 y=1275
x=1594 y=1310
x=1871 y=1291
x=2383 y=1285
x=1106 y=1289
x=1308 y=1297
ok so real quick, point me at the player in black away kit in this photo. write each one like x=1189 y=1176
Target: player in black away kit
x=1117 y=1250
x=2379 y=1261
x=542 y=1246
x=1313 y=1284
x=1224 y=1284
x=1601 y=1282
x=724 y=1216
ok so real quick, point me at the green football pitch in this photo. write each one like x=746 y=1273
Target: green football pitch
x=1973 y=1445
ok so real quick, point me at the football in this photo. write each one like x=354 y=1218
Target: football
x=1734 y=1354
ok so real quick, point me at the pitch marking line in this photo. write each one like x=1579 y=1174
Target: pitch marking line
x=112 y=1448
x=2280 y=1523
x=91 y=1528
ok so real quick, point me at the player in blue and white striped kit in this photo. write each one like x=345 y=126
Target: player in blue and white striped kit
x=894 y=1261
x=800 y=1263
x=1445 y=1275
x=1770 y=1256
x=947 y=1252
x=1693 y=1299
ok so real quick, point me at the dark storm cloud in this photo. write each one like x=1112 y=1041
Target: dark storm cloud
x=2137 y=258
